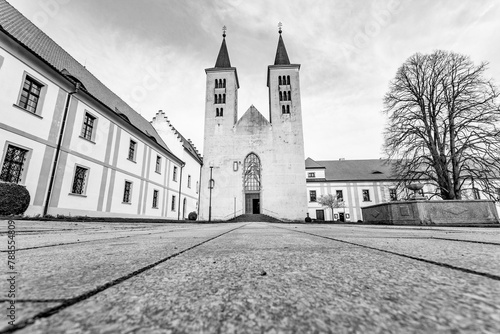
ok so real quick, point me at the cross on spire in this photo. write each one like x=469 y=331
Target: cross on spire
x=279 y=27
x=224 y=31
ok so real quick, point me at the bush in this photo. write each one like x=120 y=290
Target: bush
x=192 y=215
x=14 y=199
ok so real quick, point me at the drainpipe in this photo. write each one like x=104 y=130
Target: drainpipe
x=199 y=192
x=180 y=188
x=58 y=148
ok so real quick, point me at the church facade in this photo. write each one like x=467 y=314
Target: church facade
x=253 y=165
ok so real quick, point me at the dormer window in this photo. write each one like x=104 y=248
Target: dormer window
x=311 y=174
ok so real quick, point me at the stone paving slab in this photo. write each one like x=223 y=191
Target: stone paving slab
x=261 y=279
x=24 y=311
x=67 y=271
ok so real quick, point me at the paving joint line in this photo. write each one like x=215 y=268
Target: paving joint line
x=473 y=241
x=441 y=264
x=95 y=291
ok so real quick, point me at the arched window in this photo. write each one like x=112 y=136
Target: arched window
x=287 y=79
x=224 y=84
x=283 y=109
x=284 y=96
x=289 y=96
x=251 y=173
x=220 y=99
x=279 y=79
x=215 y=99
x=216 y=112
x=221 y=112
x=288 y=109
x=216 y=83
x=281 y=96
x=223 y=98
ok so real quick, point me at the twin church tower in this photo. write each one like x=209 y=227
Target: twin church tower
x=256 y=165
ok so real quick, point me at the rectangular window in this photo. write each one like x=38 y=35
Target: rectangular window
x=174 y=177
x=158 y=164
x=366 y=195
x=155 y=199
x=127 y=192
x=79 y=181
x=172 y=206
x=340 y=195
x=311 y=174
x=13 y=164
x=131 y=150
x=312 y=196
x=88 y=126
x=30 y=94
x=393 y=194
x=189 y=181
x=198 y=185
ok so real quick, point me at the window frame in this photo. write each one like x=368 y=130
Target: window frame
x=367 y=198
x=94 y=127
x=158 y=164
x=341 y=197
x=26 y=160
x=156 y=193
x=393 y=191
x=311 y=174
x=85 y=181
x=189 y=181
x=133 y=159
x=313 y=197
x=174 y=174
x=129 y=192
x=41 y=96
x=172 y=205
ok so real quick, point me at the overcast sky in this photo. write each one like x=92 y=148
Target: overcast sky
x=153 y=53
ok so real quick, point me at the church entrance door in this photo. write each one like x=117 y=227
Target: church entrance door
x=252 y=203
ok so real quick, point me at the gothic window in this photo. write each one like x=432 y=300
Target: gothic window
x=287 y=79
x=224 y=84
x=281 y=96
x=279 y=80
x=79 y=180
x=283 y=110
x=251 y=176
x=13 y=164
x=216 y=83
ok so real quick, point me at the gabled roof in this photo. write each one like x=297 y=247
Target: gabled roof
x=18 y=27
x=355 y=170
x=223 y=57
x=281 y=54
x=253 y=119
x=310 y=164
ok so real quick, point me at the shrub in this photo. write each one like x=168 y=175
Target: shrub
x=14 y=199
x=192 y=215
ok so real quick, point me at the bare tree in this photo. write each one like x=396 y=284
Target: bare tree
x=331 y=202
x=444 y=124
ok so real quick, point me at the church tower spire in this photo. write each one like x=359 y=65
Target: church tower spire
x=281 y=54
x=223 y=57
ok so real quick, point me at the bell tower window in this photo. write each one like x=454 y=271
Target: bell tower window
x=288 y=80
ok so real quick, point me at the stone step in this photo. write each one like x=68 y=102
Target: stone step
x=254 y=218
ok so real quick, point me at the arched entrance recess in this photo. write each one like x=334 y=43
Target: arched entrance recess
x=252 y=183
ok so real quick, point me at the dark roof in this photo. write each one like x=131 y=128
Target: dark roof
x=223 y=57
x=281 y=55
x=26 y=33
x=355 y=170
x=310 y=163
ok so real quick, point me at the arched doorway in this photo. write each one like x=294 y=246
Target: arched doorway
x=252 y=183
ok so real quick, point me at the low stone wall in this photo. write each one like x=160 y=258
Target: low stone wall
x=467 y=212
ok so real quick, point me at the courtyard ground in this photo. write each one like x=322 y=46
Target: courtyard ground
x=94 y=277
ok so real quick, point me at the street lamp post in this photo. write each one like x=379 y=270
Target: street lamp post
x=211 y=186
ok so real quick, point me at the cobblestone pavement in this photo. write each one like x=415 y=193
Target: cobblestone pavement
x=251 y=278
